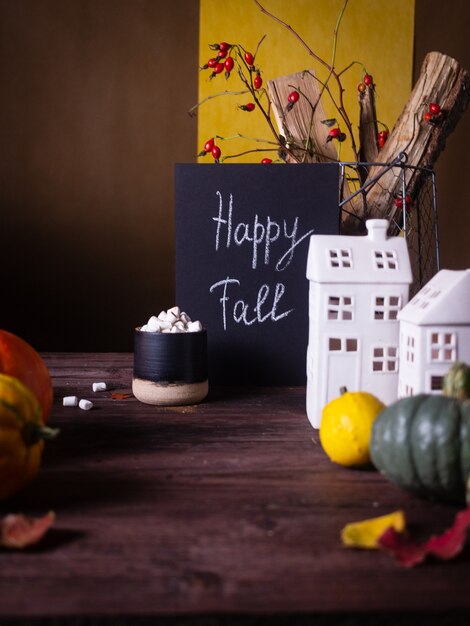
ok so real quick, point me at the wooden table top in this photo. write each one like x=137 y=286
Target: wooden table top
x=229 y=507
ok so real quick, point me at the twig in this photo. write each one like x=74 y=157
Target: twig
x=330 y=67
x=234 y=156
x=192 y=110
x=255 y=139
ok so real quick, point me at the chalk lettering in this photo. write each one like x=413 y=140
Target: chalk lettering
x=289 y=254
x=242 y=317
x=270 y=238
x=241 y=309
x=224 y=298
x=258 y=235
x=220 y=221
x=244 y=229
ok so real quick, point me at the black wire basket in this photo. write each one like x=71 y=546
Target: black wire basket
x=408 y=200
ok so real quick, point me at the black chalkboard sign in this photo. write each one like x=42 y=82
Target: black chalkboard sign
x=242 y=236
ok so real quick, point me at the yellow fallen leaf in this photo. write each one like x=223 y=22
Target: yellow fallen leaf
x=366 y=533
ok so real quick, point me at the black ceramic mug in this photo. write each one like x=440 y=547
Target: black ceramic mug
x=170 y=368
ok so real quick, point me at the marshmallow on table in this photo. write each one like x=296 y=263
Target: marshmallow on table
x=70 y=401
x=99 y=386
x=86 y=405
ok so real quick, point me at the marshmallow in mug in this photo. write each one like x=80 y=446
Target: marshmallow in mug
x=172 y=321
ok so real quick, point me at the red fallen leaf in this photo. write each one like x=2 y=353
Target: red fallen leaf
x=19 y=531
x=120 y=396
x=445 y=546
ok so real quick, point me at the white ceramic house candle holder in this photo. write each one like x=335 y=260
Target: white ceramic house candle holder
x=434 y=332
x=357 y=287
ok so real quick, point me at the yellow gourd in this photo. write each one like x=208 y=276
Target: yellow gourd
x=22 y=434
x=346 y=427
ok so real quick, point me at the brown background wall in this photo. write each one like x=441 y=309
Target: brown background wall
x=92 y=119
x=445 y=27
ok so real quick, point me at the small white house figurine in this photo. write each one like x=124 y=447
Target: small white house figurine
x=434 y=332
x=357 y=287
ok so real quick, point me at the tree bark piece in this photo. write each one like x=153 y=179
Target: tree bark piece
x=302 y=126
x=443 y=81
x=367 y=126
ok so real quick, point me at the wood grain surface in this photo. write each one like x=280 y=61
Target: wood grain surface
x=228 y=508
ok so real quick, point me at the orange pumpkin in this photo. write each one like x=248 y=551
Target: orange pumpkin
x=20 y=360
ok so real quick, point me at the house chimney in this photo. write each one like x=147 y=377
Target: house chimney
x=377 y=229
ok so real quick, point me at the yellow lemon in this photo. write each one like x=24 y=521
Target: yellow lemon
x=346 y=427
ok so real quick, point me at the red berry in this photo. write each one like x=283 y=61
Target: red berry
x=361 y=87
x=216 y=152
x=228 y=64
x=209 y=145
x=266 y=160
x=249 y=58
x=382 y=138
x=398 y=202
x=427 y=116
x=434 y=108
x=334 y=133
x=368 y=80
x=247 y=107
x=224 y=46
x=257 y=81
x=293 y=96
x=222 y=54
x=211 y=62
x=219 y=67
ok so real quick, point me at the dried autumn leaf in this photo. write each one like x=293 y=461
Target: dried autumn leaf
x=445 y=546
x=330 y=122
x=19 y=531
x=366 y=533
x=120 y=396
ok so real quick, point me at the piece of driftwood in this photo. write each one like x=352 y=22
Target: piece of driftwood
x=367 y=127
x=302 y=125
x=442 y=80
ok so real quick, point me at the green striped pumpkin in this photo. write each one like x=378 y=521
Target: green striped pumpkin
x=422 y=443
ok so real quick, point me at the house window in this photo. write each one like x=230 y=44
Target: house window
x=408 y=390
x=410 y=349
x=443 y=347
x=385 y=359
x=340 y=308
x=340 y=257
x=435 y=383
x=385 y=259
x=342 y=344
x=386 y=307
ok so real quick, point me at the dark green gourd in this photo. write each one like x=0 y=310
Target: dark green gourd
x=422 y=443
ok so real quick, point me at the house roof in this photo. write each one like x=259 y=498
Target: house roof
x=445 y=299
x=373 y=258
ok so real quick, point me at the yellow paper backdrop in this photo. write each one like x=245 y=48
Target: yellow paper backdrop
x=377 y=33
